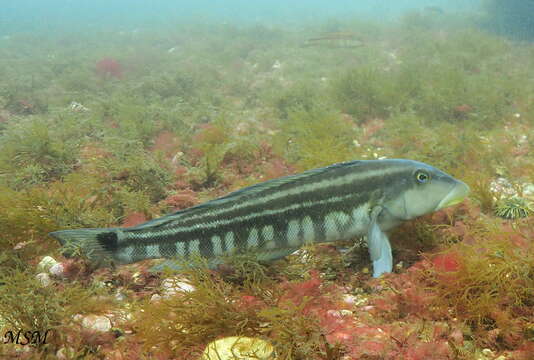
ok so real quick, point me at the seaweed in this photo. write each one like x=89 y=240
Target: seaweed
x=182 y=325
x=316 y=138
x=27 y=304
x=217 y=144
x=365 y=92
x=139 y=171
x=487 y=281
x=31 y=154
x=300 y=96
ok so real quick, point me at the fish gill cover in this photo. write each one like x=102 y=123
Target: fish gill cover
x=186 y=109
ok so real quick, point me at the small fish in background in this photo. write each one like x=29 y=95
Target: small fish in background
x=336 y=39
x=275 y=218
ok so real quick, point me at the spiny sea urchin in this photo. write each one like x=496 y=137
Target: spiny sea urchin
x=514 y=208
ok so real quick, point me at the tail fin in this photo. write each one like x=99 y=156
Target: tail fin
x=98 y=245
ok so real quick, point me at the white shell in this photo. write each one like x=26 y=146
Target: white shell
x=44 y=279
x=241 y=348
x=46 y=263
x=57 y=269
x=97 y=323
x=174 y=286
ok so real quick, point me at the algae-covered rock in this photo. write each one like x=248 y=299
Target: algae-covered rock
x=239 y=348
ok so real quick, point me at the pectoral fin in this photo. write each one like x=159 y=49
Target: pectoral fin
x=379 y=247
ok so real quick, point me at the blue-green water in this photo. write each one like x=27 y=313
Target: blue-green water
x=39 y=15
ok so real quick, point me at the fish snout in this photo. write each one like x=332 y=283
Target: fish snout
x=456 y=195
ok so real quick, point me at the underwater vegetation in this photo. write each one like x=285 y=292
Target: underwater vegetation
x=189 y=113
x=109 y=68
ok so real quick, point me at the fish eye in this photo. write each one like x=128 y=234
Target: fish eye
x=422 y=176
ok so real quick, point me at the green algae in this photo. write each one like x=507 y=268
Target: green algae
x=316 y=138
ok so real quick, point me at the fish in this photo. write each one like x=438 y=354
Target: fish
x=335 y=40
x=272 y=219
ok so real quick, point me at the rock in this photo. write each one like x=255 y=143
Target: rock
x=97 y=323
x=174 y=286
x=46 y=263
x=239 y=348
x=120 y=296
x=77 y=107
x=44 y=279
x=357 y=300
x=339 y=313
x=58 y=270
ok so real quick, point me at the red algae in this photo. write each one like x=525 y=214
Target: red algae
x=109 y=68
x=167 y=143
x=185 y=198
x=446 y=262
x=134 y=219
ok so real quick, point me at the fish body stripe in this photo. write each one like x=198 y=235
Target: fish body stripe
x=308 y=232
x=253 y=241
x=276 y=217
x=348 y=176
x=336 y=225
x=321 y=206
x=291 y=210
x=292 y=233
x=350 y=183
x=217 y=245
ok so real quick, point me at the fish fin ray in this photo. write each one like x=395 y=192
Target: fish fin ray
x=95 y=244
x=379 y=246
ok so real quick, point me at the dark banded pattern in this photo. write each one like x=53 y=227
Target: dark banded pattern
x=276 y=217
x=269 y=215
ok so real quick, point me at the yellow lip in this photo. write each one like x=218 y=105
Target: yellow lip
x=455 y=196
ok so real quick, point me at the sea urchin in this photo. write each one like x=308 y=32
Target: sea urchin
x=514 y=208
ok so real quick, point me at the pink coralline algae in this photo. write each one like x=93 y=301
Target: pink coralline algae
x=108 y=68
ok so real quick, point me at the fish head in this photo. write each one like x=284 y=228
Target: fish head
x=423 y=189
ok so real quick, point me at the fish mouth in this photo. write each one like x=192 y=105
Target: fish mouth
x=455 y=196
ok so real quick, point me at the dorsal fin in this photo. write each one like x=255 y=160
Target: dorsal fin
x=243 y=193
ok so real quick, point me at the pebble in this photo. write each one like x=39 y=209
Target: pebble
x=97 y=323
x=239 y=347
x=44 y=279
x=120 y=296
x=339 y=313
x=303 y=254
x=357 y=300
x=57 y=270
x=46 y=263
x=174 y=286
x=77 y=107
